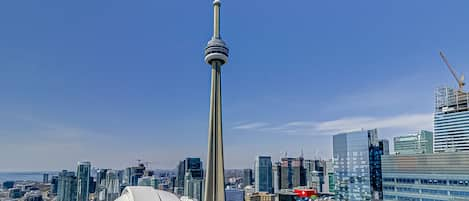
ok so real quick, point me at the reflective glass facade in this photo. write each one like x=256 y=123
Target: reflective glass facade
x=357 y=166
x=83 y=176
x=263 y=174
x=426 y=177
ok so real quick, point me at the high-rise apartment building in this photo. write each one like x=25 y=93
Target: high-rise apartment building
x=100 y=188
x=276 y=177
x=180 y=175
x=112 y=185
x=193 y=179
x=45 y=178
x=83 y=180
x=247 y=177
x=193 y=187
x=194 y=166
x=317 y=170
x=451 y=120
x=132 y=174
x=426 y=177
x=54 y=182
x=416 y=143
x=292 y=173
x=263 y=173
x=357 y=166
x=67 y=186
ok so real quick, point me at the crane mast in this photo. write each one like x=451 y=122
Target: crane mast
x=460 y=80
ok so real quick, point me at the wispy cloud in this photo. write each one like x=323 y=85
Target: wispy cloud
x=249 y=126
x=406 y=121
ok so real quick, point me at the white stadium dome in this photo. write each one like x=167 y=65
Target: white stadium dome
x=145 y=193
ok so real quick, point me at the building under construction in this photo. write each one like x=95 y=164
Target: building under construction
x=451 y=118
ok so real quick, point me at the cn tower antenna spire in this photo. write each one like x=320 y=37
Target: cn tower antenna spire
x=216 y=54
x=216 y=18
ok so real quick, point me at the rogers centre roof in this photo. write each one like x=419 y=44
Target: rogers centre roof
x=145 y=193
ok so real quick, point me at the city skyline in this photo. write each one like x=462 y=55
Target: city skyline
x=97 y=87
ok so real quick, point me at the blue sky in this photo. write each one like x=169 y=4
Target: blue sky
x=112 y=82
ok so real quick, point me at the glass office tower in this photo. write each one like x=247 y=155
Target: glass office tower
x=67 y=186
x=357 y=165
x=83 y=179
x=451 y=120
x=263 y=174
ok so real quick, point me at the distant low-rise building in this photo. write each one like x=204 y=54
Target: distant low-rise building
x=8 y=184
x=262 y=196
x=234 y=195
x=286 y=195
x=33 y=196
x=14 y=193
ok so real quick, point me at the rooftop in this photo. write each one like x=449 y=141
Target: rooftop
x=146 y=193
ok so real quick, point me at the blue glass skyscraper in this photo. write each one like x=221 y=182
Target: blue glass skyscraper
x=67 y=186
x=83 y=180
x=357 y=165
x=263 y=173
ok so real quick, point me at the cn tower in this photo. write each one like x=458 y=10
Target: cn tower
x=216 y=54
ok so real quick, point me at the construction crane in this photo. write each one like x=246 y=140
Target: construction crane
x=459 y=80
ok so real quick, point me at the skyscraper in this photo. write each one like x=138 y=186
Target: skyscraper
x=216 y=54
x=247 y=177
x=100 y=190
x=384 y=146
x=54 y=185
x=45 y=178
x=416 y=143
x=132 y=174
x=451 y=120
x=292 y=173
x=112 y=185
x=193 y=180
x=83 y=179
x=263 y=174
x=276 y=176
x=194 y=166
x=67 y=186
x=193 y=187
x=180 y=175
x=357 y=166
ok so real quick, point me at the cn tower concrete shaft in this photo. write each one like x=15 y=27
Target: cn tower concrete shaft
x=216 y=54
